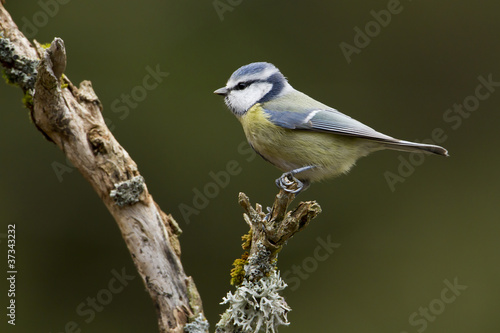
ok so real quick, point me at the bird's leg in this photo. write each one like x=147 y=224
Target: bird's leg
x=283 y=182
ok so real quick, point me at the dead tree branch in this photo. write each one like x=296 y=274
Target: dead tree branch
x=257 y=303
x=71 y=117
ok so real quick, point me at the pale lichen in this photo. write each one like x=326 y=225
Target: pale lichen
x=128 y=192
x=255 y=306
x=198 y=325
x=18 y=69
x=259 y=263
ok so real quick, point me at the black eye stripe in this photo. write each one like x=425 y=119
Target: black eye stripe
x=243 y=84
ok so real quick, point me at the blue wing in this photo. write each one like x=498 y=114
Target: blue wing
x=296 y=110
x=299 y=111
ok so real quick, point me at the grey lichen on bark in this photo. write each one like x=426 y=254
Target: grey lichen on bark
x=257 y=304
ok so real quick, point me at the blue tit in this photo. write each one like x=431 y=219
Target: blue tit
x=307 y=140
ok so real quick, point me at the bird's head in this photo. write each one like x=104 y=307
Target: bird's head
x=257 y=82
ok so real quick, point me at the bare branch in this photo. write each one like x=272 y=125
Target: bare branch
x=71 y=117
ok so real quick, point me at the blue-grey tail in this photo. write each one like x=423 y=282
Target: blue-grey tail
x=416 y=147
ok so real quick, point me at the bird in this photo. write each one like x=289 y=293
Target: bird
x=306 y=139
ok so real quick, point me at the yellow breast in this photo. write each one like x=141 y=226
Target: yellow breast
x=291 y=149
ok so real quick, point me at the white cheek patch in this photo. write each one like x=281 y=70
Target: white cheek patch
x=241 y=100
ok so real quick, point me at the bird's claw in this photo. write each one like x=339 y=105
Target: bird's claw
x=284 y=183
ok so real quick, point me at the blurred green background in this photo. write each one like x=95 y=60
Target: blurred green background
x=397 y=248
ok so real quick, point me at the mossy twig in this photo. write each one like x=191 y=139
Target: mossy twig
x=257 y=304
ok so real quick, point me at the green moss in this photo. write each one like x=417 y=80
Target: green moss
x=63 y=85
x=28 y=100
x=45 y=45
x=238 y=271
x=7 y=78
x=247 y=240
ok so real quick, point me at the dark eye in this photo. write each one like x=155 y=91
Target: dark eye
x=241 y=86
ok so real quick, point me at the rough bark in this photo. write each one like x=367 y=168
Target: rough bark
x=71 y=117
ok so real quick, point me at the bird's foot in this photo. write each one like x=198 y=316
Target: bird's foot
x=287 y=180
